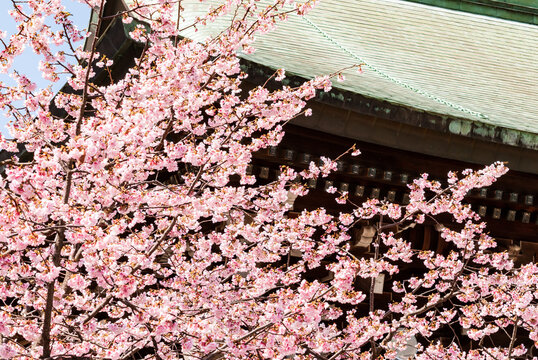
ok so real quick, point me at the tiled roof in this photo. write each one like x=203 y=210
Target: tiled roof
x=424 y=57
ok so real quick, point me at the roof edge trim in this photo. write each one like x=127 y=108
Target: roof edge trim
x=514 y=10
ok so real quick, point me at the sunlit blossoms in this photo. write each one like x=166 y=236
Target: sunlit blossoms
x=130 y=227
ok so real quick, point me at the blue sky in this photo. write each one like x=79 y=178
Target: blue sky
x=27 y=63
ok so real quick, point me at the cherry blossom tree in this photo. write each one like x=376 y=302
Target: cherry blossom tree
x=103 y=256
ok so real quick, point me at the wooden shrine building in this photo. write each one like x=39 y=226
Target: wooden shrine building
x=443 y=88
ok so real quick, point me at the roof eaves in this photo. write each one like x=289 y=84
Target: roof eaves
x=389 y=110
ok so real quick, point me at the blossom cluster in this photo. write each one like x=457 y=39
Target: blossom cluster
x=130 y=226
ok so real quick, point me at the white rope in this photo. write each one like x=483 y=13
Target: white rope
x=392 y=79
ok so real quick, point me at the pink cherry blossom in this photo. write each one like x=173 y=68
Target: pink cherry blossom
x=137 y=231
